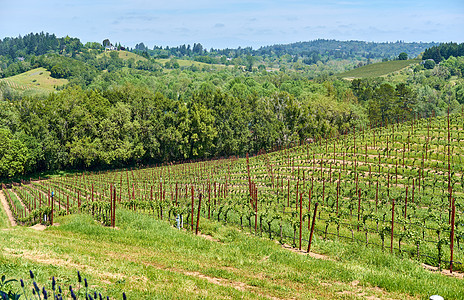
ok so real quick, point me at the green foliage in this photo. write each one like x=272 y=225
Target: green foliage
x=403 y=56
x=14 y=155
x=429 y=64
x=131 y=110
x=443 y=51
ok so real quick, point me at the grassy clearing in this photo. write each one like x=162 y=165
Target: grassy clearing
x=149 y=259
x=36 y=80
x=125 y=55
x=378 y=69
x=187 y=63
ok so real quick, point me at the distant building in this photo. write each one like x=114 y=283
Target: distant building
x=110 y=48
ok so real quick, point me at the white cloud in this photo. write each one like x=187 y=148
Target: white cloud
x=231 y=23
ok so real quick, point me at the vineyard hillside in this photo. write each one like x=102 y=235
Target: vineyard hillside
x=38 y=80
x=366 y=214
x=378 y=69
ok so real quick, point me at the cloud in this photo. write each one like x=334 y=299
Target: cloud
x=252 y=22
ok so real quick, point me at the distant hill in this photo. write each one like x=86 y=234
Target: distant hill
x=345 y=49
x=35 y=80
x=378 y=69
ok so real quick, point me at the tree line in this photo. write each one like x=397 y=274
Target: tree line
x=117 y=112
x=128 y=125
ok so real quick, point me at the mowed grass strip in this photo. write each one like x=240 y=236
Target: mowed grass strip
x=378 y=69
x=150 y=259
x=4 y=222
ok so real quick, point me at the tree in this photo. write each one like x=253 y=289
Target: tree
x=403 y=56
x=13 y=155
x=202 y=131
x=106 y=43
x=250 y=60
x=429 y=64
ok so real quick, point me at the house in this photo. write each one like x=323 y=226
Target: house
x=110 y=47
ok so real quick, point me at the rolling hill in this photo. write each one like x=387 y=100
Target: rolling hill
x=125 y=55
x=35 y=80
x=378 y=69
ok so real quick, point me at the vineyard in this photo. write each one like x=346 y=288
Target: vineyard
x=397 y=188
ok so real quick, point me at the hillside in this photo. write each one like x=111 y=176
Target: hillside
x=367 y=194
x=378 y=69
x=124 y=55
x=188 y=63
x=334 y=49
x=35 y=80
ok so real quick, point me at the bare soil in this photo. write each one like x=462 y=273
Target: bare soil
x=7 y=209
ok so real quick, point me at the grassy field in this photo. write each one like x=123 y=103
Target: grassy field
x=378 y=69
x=149 y=259
x=34 y=80
x=188 y=63
x=125 y=55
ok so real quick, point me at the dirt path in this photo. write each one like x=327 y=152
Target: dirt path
x=7 y=209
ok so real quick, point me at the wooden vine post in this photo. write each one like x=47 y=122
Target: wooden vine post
x=309 y=209
x=256 y=208
x=359 y=207
x=392 y=225
x=51 y=216
x=301 y=218
x=191 y=219
x=312 y=227
x=198 y=215
x=113 y=222
x=453 y=212
x=338 y=193
x=406 y=203
x=449 y=165
x=209 y=200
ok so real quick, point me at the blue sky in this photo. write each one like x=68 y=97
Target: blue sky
x=227 y=23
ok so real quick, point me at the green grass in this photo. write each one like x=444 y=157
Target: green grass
x=149 y=259
x=378 y=69
x=187 y=63
x=36 y=80
x=125 y=55
x=4 y=223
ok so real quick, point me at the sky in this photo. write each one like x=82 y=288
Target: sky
x=229 y=24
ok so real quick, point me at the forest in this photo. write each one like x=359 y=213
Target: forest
x=119 y=111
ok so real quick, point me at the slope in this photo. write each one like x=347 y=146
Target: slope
x=35 y=80
x=378 y=69
x=385 y=198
